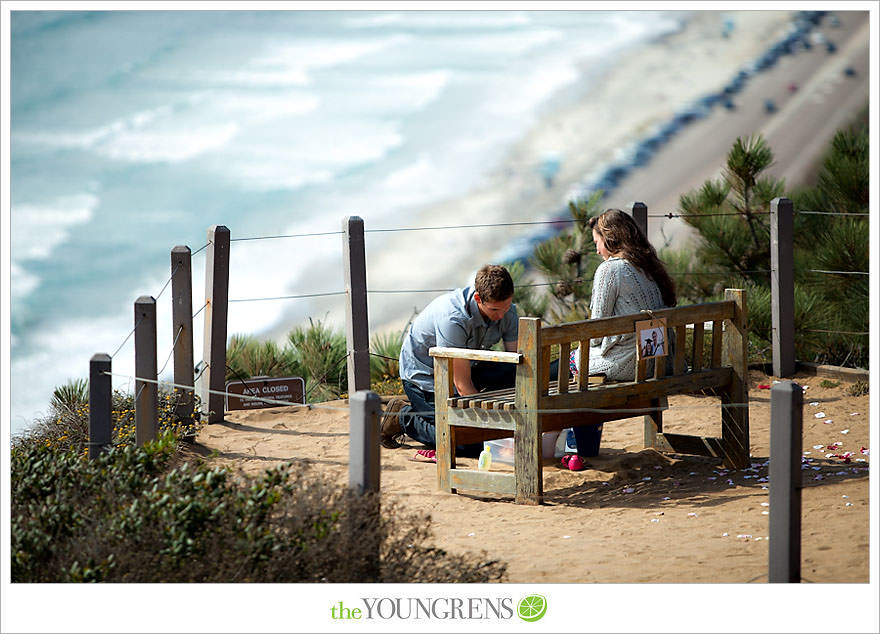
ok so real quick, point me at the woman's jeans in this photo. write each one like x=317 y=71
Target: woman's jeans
x=417 y=420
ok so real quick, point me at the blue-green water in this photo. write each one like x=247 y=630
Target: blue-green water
x=134 y=131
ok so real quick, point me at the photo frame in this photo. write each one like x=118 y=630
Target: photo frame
x=651 y=338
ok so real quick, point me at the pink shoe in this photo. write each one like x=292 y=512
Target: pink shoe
x=575 y=463
x=425 y=455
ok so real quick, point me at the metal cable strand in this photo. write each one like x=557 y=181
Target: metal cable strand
x=200 y=310
x=168 y=282
x=495 y=224
x=127 y=337
x=633 y=411
x=263 y=299
x=290 y=235
x=831 y=213
x=202 y=248
x=176 y=337
x=837 y=272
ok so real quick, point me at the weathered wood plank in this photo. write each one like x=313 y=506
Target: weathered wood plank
x=598 y=328
x=717 y=332
x=694 y=445
x=614 y=394
x=492 y=482
x=443 y=434
x=475 y=355
x=678 y=365
x=562 y=367
x=735 y=417
x=584 y=365
x=532 y=379
x=697 y=360
x=484 y=418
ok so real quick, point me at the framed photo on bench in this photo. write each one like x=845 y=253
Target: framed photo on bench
x=651 y=338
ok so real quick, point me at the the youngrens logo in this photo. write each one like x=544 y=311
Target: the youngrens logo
x=530 y=608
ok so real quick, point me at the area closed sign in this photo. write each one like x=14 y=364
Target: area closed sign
x=260 y=392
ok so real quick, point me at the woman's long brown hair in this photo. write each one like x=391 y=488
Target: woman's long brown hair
x=624 y=239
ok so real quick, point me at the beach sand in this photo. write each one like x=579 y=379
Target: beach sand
x=633 y=515
x=641 y=90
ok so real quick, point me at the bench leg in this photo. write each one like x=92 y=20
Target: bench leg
x=654 y=422
x=527 y=465
x=735 y=430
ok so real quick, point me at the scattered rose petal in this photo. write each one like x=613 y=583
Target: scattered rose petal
x=655 y=520
x=662 y=513
x=471 y=534
x=763 y=386
x=628 y=490
x=818 y=477
x=819 y=414
x=864 y=450
x=566 y=537
x=730 y=482
x=743 y=536
x=712 y=478
x=816 y=447
x=854 y=414
x=807 y=453
x=765 y=488
x=844 y=431
x=849 y=504
x=844 y=496
x=724 y=534
x=757 y=539
x=815 y=403
x=646 y=479
x=765 y=503
x=667 y=498
x=828 y=422
x=764 y=513
x=692 y=514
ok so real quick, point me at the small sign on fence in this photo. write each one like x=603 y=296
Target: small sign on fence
x=260 y=392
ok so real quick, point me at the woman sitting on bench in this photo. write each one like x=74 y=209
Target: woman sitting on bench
x=630 y=279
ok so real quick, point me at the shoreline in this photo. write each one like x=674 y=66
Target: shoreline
x=516 y=192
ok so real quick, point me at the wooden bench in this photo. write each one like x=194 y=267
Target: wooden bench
x=540 y=403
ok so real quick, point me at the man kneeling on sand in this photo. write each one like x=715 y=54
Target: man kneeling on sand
x=476 y=317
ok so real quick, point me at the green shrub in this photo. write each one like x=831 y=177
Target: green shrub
x=143 y=515
x=321 y=353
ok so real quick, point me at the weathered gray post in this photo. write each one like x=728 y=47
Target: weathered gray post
x=782 y=285
x=146 y=403
x=357 y=331
x=363 y=466
x=786 y=426
x=639 y=213
x=363 y=477
x=182 y=331
x=213 y=379
x=100 y=404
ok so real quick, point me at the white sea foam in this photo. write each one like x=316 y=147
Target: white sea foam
x=37 y=229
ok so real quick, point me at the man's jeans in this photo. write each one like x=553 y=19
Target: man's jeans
x=417 y=419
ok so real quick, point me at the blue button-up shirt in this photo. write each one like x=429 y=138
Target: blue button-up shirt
x=452 y=320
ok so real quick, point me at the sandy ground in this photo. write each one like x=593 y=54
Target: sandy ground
x=634 y=515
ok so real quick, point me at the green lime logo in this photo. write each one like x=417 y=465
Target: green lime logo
x=532 y=608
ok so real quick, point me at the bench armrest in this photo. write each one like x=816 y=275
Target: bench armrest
x=476 y=355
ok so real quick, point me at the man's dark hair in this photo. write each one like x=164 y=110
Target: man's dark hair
x=493 y=283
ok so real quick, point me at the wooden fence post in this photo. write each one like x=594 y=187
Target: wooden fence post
x=782 y=285
x=146 y=402
x=212 y=381
x=364 y=530
x=735 y=398
x=639 y=213
x=786 y=428
x=100 y=404
x=182 y=331
x=357 y=331
x=365 y=408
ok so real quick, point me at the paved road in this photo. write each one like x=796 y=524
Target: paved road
x=798 y=132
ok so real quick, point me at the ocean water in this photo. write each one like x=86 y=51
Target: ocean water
x=134 y=131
